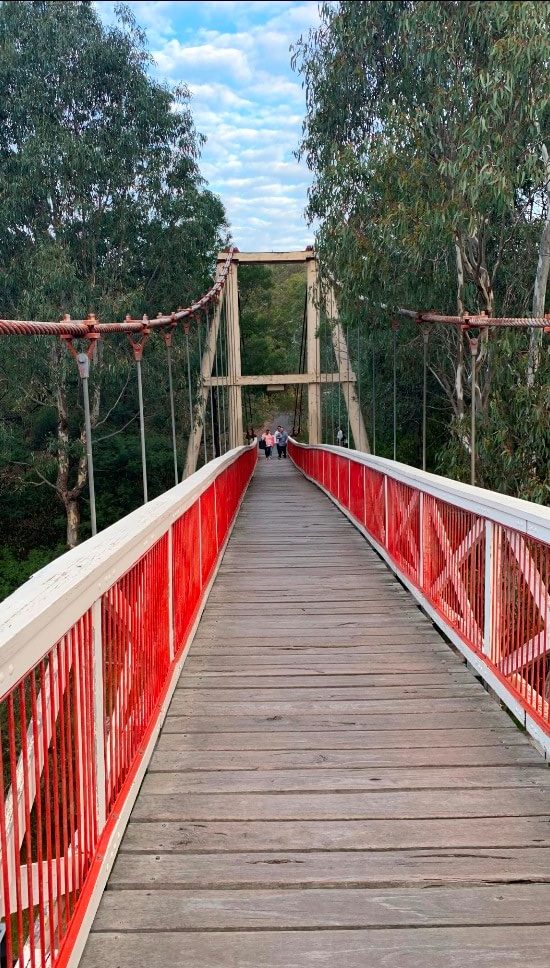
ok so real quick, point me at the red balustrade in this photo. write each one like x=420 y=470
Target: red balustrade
x=48 y=808
x=485 y=582
x=78 y=724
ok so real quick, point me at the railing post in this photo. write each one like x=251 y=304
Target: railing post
x=386 y=516
x=421 y=540
x=200 y=542
x=488 y=589
x=99 y=717
x=170 y=543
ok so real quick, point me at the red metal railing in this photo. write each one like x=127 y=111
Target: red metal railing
x=479 y=562
x=80 y=710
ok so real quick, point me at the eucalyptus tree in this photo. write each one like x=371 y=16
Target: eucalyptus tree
x=426 y=130
x=102 y=210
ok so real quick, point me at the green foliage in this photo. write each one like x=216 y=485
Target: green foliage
x=272 y=308
x=425 y=127
x=102 y=209
x=272 y=301
x=14 y=570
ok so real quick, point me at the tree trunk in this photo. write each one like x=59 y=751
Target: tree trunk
x=541 y=280
x=70 y=496
x=72 y=508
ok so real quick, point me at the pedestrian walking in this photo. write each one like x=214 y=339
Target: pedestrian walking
x=282 y=442
x=340 y=437
x=269 y=441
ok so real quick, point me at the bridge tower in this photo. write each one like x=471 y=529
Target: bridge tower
x=234 y=380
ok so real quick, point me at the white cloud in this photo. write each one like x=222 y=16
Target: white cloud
x=234 y=57
x=176 y=57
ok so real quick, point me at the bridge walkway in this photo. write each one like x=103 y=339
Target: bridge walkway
x=330 y=782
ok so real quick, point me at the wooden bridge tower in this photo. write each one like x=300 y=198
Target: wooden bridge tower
x=313 y=377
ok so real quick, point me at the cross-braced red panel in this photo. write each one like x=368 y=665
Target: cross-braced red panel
x=48 y=826
x=404 y=527
x=374 y=517
x=454 y=567
x=520 y=619
x=136 y=659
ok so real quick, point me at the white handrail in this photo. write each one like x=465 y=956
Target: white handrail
x=39 y=613
x=512 y=512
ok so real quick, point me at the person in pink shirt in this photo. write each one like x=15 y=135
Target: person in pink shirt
x=269 y=441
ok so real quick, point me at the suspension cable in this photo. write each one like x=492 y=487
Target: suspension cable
x=209 y=323
x=358 y=374
x=394 y=329
x=373 y=354
x=189 y=390
x=168 y=343
x=199 y=383
x=348 y=386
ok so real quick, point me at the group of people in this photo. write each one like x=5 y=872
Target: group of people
x=279 y=439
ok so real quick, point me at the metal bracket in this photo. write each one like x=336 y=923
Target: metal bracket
x=82 y=358
x=138 y=345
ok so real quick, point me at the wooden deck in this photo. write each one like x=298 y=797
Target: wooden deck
x=331 y=784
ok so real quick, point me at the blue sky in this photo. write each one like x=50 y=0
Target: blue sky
x=234 y=56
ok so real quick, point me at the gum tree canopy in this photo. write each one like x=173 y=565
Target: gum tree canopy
x=102 y=209
x=427 y=132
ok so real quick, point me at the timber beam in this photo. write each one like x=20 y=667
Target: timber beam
x=243 y=258
x=279 y=379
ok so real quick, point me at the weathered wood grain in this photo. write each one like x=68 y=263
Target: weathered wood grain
x=328 y=835
x=335 y=739
x=335 y=780
x=263 y=761
x=310 y=907
x=343 y=806
x=492 y=947
x=331 y=784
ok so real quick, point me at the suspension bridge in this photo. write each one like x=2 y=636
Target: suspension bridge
x=285 y=712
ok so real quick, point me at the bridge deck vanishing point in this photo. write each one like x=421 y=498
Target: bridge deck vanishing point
x=331 y=784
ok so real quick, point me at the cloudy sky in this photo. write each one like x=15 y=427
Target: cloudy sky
x=234 y=56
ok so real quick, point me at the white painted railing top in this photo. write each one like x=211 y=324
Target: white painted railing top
x=35 y=616
x=524 y=516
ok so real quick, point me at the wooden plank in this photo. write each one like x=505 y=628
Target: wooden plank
x=319 y=723
x=373 y=869
x=374 y=684
x=316 y=663
x=180 y=760
x=469 y=834
x=323 y=693
x=189 y=705
x=334 y=780
x=310 y=907
x=342 y=806
x=463 y=947
x=337 y=739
